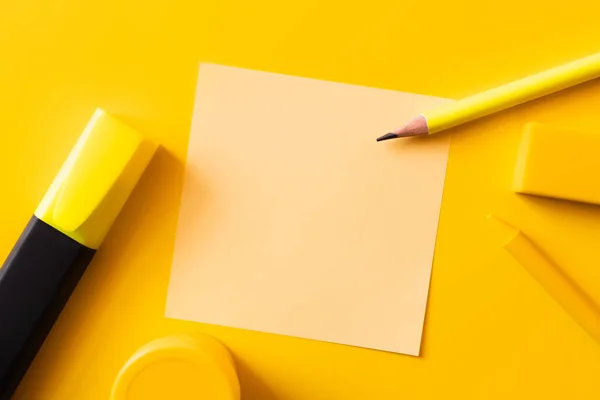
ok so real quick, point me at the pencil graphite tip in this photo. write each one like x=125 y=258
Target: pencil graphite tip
x=415 y=127
x=387 y=136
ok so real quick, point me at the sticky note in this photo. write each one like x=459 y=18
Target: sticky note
x=295 y=221
x=559 y=163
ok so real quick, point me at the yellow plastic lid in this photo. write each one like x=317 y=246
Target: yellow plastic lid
x=96 y=179
x=179 y=367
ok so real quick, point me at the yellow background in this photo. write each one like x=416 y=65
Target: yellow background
x=491 y=331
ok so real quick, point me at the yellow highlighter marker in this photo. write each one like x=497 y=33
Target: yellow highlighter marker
x=62 y=236
x=559 y=285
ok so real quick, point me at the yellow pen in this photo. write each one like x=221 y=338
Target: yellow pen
x=573 y=299
x=62 y=236
x=500 y=98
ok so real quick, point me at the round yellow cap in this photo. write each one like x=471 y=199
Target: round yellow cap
x=178 y=367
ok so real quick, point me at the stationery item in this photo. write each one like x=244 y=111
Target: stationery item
x=500 y=98
x=553 y=279
x=293 y=225
x=558 y=163
x=61 y=238
x=178 y=367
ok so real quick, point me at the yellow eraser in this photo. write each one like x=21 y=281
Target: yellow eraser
x=558 y=163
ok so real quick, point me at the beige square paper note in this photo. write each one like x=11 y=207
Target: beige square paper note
x=295 y=221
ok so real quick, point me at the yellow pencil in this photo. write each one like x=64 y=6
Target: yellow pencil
x=500 y=98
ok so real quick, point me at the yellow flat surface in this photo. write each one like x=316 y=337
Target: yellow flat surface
x=491 y=332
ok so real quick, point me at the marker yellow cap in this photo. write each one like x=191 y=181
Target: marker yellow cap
x=95 y=181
